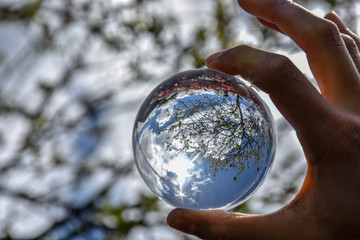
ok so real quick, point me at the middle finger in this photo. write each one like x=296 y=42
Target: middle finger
x=321 y=39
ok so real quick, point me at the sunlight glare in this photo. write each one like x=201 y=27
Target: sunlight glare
x=180 y=165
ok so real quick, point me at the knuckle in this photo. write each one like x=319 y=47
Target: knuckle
x=280 y=71
x=327 y=32
x=278 y=5
x=350 y=43
x=279 y=63
x=326 y=28
x=354 y=37
x=348 y=40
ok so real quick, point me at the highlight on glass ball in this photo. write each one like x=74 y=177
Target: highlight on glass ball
x=204 y=139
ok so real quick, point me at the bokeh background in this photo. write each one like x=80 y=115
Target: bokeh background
x=73 y=74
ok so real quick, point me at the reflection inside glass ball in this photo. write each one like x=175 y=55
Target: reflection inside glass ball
x=204 y=140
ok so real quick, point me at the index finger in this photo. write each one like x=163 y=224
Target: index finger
x=321 y=39
x=295 y=97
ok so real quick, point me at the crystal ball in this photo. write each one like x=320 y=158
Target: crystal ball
x=204 y=139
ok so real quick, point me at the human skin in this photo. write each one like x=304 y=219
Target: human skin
x=327 y=124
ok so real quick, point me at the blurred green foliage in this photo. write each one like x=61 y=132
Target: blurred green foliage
x=123 y=225
x=26 y=12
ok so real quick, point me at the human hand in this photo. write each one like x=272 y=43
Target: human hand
x=327 y=124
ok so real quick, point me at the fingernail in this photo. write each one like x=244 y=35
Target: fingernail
x=213 y=57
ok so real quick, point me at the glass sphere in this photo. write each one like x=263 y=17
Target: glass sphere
x=204 y=139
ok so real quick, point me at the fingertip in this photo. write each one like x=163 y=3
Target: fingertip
x=172 y=215
x=331 y=15
x=177 y=221
x=231 y=60
x=209 y=60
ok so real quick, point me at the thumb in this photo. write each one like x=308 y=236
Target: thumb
x=219 y=224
